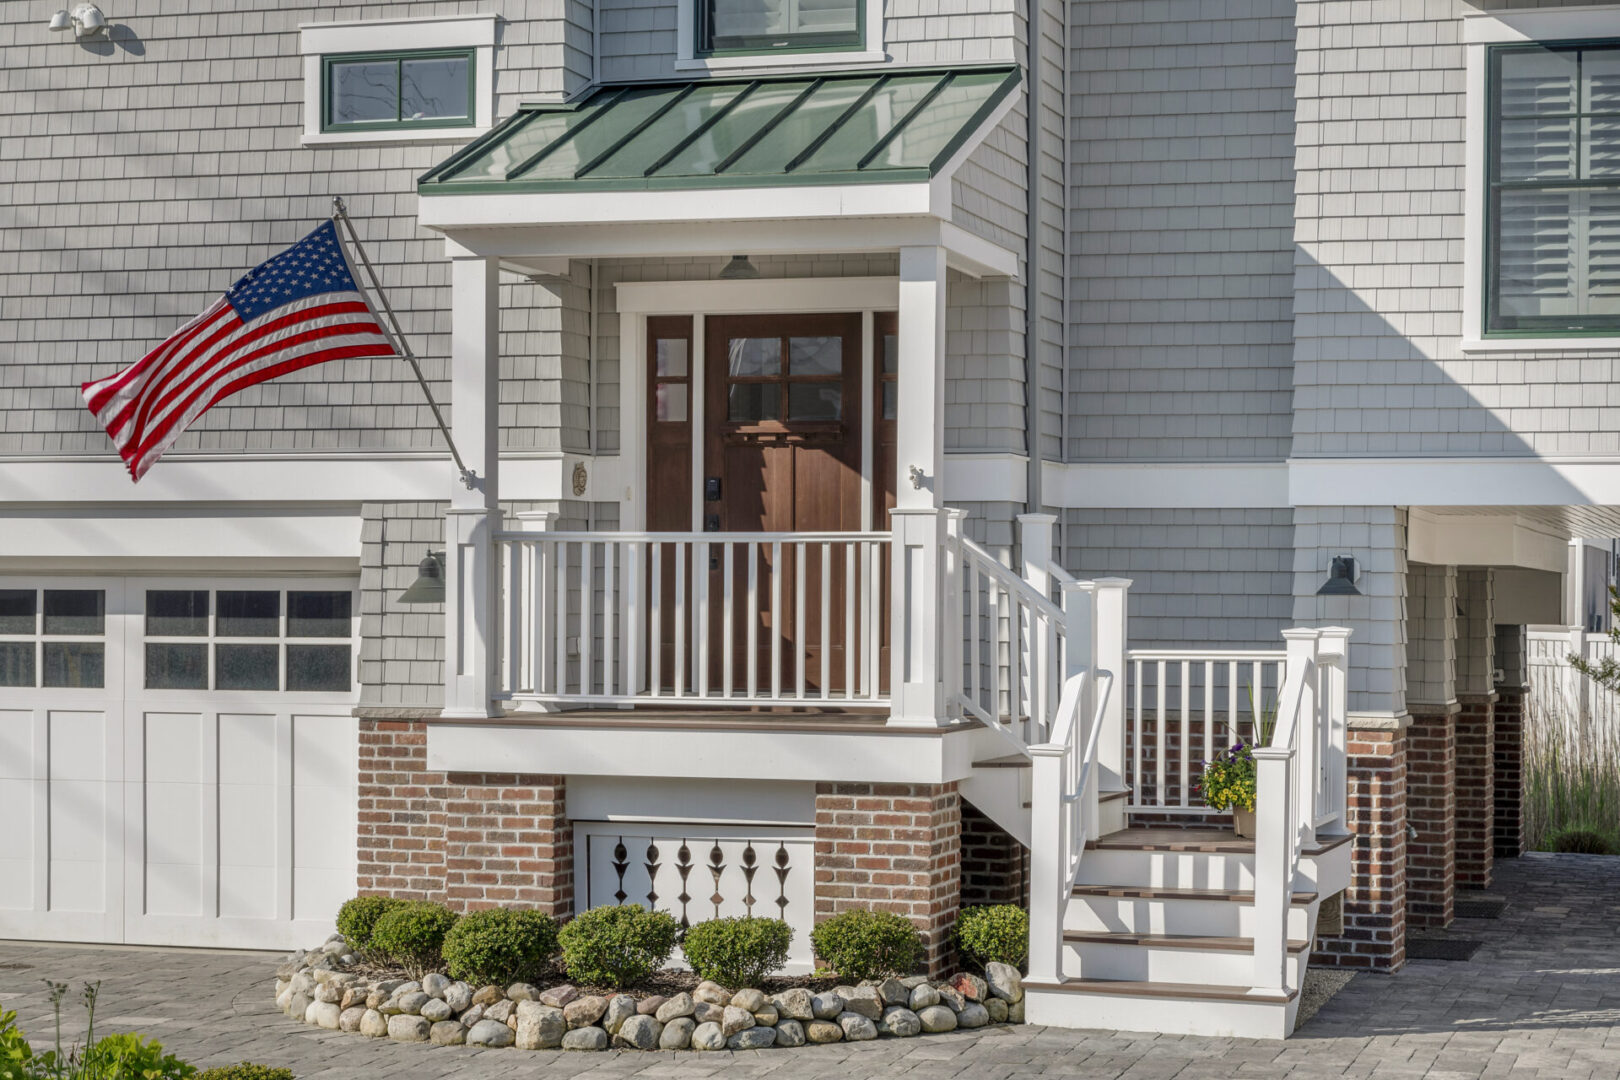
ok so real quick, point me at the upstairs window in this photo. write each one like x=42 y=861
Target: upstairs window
x=379 y=91
x=1554 y=190
x=758 y=26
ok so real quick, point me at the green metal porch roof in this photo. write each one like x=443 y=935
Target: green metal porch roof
x=860 y=127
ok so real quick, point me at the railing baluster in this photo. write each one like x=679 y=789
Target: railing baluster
x=753 y=619
x=991 y=609
x=610 y=611
x=1136 y=742
x=727 y=627
x=587 y=616
x=700 y=606
x=867 y=660
x=1186 y=732
x=852 y=644
x=1209 y=709
x=1162 y=736
x=681 y=626
x=562 y=616
x=776 y=620
x=975 y=633
x=825 y=567
x=537 y=640
x=799 y=651
x=655 y=637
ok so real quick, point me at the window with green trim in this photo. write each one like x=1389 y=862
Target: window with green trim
x=378 y=91
x=1553 y=263
x=753 y=26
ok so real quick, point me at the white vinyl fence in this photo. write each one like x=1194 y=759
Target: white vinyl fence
x=1557 y=689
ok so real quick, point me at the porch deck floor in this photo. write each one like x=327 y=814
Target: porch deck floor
x=826 y=721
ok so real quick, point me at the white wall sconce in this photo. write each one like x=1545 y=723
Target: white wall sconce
x=86 y=20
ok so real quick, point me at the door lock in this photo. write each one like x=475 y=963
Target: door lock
x=711 y=489
x=711 y=522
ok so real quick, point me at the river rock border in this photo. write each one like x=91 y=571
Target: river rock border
x=315 y=987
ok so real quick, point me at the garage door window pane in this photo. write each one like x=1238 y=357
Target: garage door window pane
x=318 y=614
x=74 y=665
x=16 y=663
x=246 y=667
x=318 y=667
x=17 y=612
x=176 y=667
x=248 y=614
x=177 y=612
x=75 y=611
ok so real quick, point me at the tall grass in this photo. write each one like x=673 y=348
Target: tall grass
x=1571 y=777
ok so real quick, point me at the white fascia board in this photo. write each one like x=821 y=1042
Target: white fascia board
x=305 y=479
x=1161 y=484
x=709 y=206
x=397 y=35
x=1483 y=540
x=1454 y=482
x=986 y=477
x=1570 y=23
x=883 y=757
x=194 y=534
x=759 y=295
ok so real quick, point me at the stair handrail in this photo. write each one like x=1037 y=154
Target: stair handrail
x=1064 y=813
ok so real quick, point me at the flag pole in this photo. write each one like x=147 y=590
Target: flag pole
x=341 y=212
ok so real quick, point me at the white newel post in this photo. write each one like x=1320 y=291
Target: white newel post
x=952 y=632
x=915 y=678
x=1302 y=655
x=1079 y=600
x=1273 y=892
x=1333 y=650
x=471 y=613
x=1048 y=856
x=1111 y=641
x=1035 y=542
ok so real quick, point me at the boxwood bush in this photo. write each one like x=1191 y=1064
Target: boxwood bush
x=617 y=946
x=247 y=1070
x=737 y=952
x=868 y=944
x=499 y=946
x=412 y=935
x=996 y=934
x=357 y=918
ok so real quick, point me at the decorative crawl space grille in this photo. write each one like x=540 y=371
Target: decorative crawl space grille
x=696 y=876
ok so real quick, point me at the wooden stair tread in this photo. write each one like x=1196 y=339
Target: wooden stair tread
x=1134 y=892
x=1174 y=941
x=1011 y=761
x=1204 y=841
x=1197 y=991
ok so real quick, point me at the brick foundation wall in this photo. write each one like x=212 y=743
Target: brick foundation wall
x=469 y=840
x=1374 y=937
x=995 y=866
x=1476 y=790
x=1508 y=782
x=892 y=847
x=1431 y=806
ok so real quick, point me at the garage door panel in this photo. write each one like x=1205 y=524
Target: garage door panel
x=16 y=744
x=247 y=748
x=324 y=752
x=247 y=825
x=174 y=747
x=248 y=892
x=80 y=746
x=173 y=823
x=19 y=794
x=174 y=889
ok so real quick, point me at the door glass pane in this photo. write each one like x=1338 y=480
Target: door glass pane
x=670 y=402
x=670 y=358
x=363 y=91
x=755 y=401
x=815 y=401
x=75 y=664
x=177 y=612
x=815 y=356
x=318 y=614
x=75 y=611
x=755 y=356
x=17 y=611
x=173 y=666
x=247 y=667
x=889 y=389
x=248 y=614
x=434 y=88
x=16 y=663
x=891 y=354
x=318 y=667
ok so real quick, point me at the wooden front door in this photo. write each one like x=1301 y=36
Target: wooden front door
x=783 y=455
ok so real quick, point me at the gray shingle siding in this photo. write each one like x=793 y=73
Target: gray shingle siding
x=1181 y=219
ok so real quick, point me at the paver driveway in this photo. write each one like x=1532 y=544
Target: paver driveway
x=1541 y=999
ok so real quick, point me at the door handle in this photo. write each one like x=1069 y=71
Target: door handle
x=711 y=522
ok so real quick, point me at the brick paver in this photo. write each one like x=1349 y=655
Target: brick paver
x=1540 y=1001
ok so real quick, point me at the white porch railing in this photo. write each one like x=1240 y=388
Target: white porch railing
x=599 y=618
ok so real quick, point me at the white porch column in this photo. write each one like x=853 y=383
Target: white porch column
x=470 y=623
x=916 y=690
x=1110 y=644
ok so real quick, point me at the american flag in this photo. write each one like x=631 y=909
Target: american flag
x=298 y=309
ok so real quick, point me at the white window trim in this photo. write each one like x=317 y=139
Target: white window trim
x=686 y=58
x=1482 y=29
x=476 y=32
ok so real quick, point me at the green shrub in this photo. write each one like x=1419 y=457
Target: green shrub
x=868 y=944
x=130 y=1057
x=499 y=946
x=737 y=952
x=997 y=934
x=247 y=1071
x=357 y=918
x=15 y=1053
x=617 y=946
x=1582 y=840
x=412 y=935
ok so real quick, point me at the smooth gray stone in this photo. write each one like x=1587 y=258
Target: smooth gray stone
x=408 y=1028
x=734 y=1020
x=997 y=1009
x=412 y=1003
x=324 y=1014
x=677 y=1034
x=857 y=1028
x=823 y=1031
x=558 y=996
x=447 y=1033
x=434 y=985
x=490 y=1033
x=827 y=1006
x=521 y=992
x=459 y=997
x=708 y=1037
x=351 y=1017
x=585 y=1011
x=1004 y=982
x=585 y=1038
x=751 y=1000
x=974 y=1016
x=620 y=1007
x=790 y=1033
x=679 y=1005
x=755 y=1038
x=899 y=1021
x=539 y=1027
x=865 y=1001
x=639 y=1032
x=374 y=1025
x=936 y=1018
x=437 y=1009
x=894 y=992
x=923 y=996
x=794 y=1004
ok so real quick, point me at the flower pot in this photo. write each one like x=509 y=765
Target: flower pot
x=1243 y=822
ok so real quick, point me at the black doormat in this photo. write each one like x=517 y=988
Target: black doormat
x=1435 y=947
x=1480 y=907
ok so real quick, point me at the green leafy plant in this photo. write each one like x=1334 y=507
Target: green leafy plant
x=114 y=1057
x=994 y=934
x=412 y=935
x=247 y=1070
x=15 y=1053
x=737 y=951
x=499 y=946
x=1229 y=779
x=357 y=918
x=131 y=1057
x=617 y=946
x=868 y=944
x=1582 y=840
x=1265 y=719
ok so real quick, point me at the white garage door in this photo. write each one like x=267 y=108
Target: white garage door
x=177 y=759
